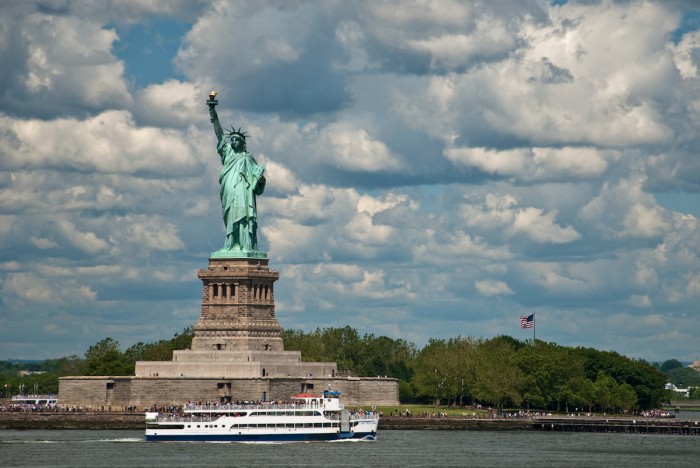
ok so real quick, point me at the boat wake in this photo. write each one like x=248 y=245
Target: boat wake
x=363 y=439
x=17 y=442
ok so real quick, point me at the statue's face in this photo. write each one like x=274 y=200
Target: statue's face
x=238 y=143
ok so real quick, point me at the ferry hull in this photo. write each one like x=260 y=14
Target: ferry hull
x=260 y=437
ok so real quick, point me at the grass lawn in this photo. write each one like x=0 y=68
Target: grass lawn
x=419 y=410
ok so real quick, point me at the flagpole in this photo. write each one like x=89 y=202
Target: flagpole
x=534 y=326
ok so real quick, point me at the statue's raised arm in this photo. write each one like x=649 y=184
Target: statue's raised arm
x=241 y=180
x=214 y=117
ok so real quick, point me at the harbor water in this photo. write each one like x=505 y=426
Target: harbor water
x=56 y=448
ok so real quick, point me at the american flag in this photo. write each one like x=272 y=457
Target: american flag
x=527 y=322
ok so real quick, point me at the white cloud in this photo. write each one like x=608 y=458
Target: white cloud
x=88 y=242
x=491 y=288
x=541 y=227
x=501 y=214
x=173 y=103
x=624 y=210
x=354 y=149
x=24 y=288
x=66 y=61
x=149 y=233
x=374 y=205
x=108 y=142
x=533 y=164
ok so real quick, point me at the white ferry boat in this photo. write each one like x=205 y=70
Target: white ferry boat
x=49 y=399
x=305 y=417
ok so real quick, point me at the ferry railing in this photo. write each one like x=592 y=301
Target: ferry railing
x=196 y=417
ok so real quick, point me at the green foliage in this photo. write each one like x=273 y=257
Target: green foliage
x=501 y=371
x=683 y=377
x=550 y=371
x=498 y=379
x=11 y=383
x=670 y=364
x=647 y=381
x=105 y=358
x=696 y=394
x=433 y=370
x=366 y=356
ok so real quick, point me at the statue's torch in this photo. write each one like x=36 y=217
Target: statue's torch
x=212 y=99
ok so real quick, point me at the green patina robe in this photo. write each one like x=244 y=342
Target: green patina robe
x=241 y=179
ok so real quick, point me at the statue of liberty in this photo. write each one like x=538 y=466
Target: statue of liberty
x=241 y=179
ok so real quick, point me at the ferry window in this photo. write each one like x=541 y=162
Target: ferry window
x=318 y=424
x=289 y=425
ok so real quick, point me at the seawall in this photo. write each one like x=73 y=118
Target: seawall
x=135 y=421
x=64 y=420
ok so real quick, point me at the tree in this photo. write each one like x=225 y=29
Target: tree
x=647 y=380
x=105 y=358
x=696 y=394
x=604 y=391
x=581 y=393
x=548 y=370
x=309 y=344
x=71 y=365
x=626 y=397
x=432 y=372
x=343 y=345
x=465 y=351
x=683 y=377
x=670 y=364
x=498 y=379
x=385 y=356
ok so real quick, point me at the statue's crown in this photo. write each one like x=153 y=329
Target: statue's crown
x=237 y=132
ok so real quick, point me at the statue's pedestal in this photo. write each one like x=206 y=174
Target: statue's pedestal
x=238 y=307
x=237 y=335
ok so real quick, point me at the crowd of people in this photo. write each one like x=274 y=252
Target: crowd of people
x=25 y=407
x=656 y=413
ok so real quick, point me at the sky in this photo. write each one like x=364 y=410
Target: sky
x=434 y=168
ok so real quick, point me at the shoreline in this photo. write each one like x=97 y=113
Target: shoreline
x=136 y=421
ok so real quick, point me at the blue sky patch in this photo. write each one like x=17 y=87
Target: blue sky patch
x=148 y=50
